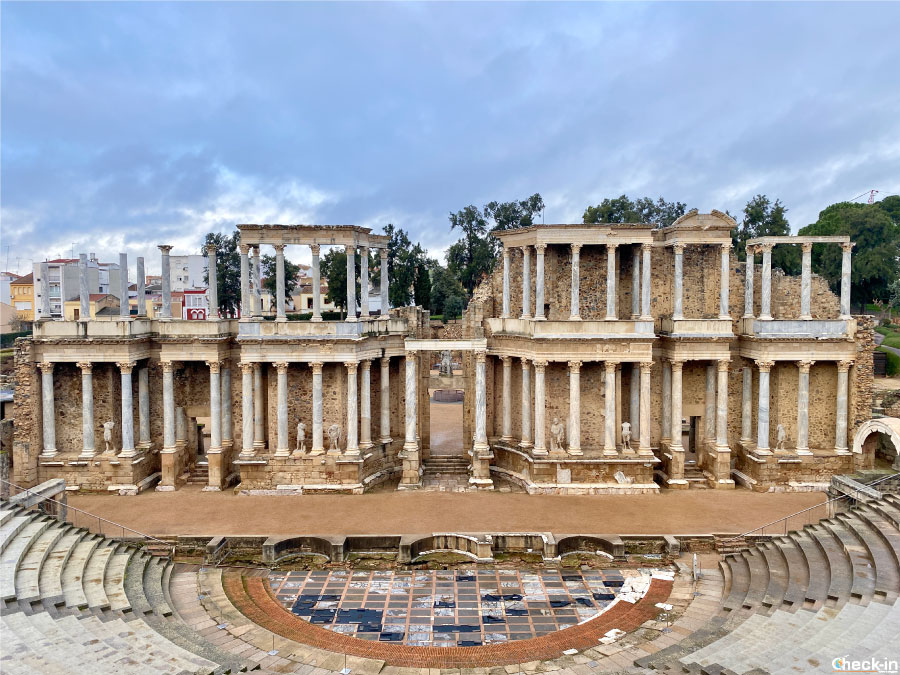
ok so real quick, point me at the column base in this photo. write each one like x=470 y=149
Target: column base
x=246 y=455
x=259 y=445
x=540 y=452
x=384 y=440
x=282 y=452
x=526 y=445
x=804 y=451
x=366 y=445
x=352 y=452
x=334 y=453
x=610 y=318
x=645 y=317
x=574 y=317
x=316 y=319
x=87 y=455
x=127 y=454
x=841 y=451
x=317 y=452
x=765 y=317
x=506 y=439
x=351 y=319
x=280 y=319
x=722 y=317
x=525 y=316
x=645 y=452
x=805 y=317
x=575 y=452
x=610 y=452
x=47 y=455
x=540 y=318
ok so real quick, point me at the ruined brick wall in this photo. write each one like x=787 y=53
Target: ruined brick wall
x=862 y=375
x=27 y=437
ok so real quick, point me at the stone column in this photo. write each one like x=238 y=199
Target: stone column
x=126 y=367
x=386 y=399
x=845 y=280
x=411 y=477
x=316 y=283
x=480 y=447
x=609 y=415
x=678 y=311
x=611 y=282
x=805 y=280
x=843 y=382
x=215 y=406
x=247 y=444
x=762 y=421
x=48 y=410
x=168 y=370
x=747 y=405
x=709 y=412
x=667 y=401
x=645 y=283
x=141 y=288
x=280 y=286
x=256 y=282
x=504 y=314
x=803 y=407
x=284 y=443
x=635 y=282
x=575 y=313
x=766 y=284
x=539 y=282
x=506 y=435
x=227 y=431
x=144 y=408
x=364 y=280
x=644 y=436
x=385 y=285
x=365 y=405
x=526 y=405
x=748 y=284
x=575 y=408
x=526 y=282
x=318 y=436
x=634 y=402
x=87 y=409
x=166 y=272
x=46 y=313
x=124 y=308
x=351 y=282
x=259 y=409
x=722 y=405
x=724 y=281
x=675 y=422
x=540 y=443
x=84 y=292
x=352 y=408
x=246 y=310
x=212 y=292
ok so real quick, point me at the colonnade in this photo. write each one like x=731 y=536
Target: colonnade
x=678 y=249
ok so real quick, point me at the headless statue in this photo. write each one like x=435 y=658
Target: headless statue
x=301 y=437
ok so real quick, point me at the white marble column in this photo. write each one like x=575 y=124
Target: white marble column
x=845 y=280
x=168 y=379
x=124 y=307
x=540 y=443
x=747 y=405
x=678 y=310
x=256 y=282
x=526 y=441
x=762 y=420
x=126 y=368
x=748 y=284
x=352 y=407
x=283 y=448
x=318 y=436
x=574 y=431
x=709 y=413
x=212 y=291
x=280 y=286
x=351 y=282
x=722 y=405
x=48 y=410
x=539 y=250
x=635 y=282
x=144 y=408
x=645 y=283
x=609 y=416
x=215 y=406
x=805 y=280
x=364 y=281
x=365 y=405
x=843 y=390
x=480 y=446
x=526 y=282
x=766 y=282
x=505 y=312
x=141 y=288
x=316 y=284
x=247 y=425
x=45 y=313
x=84 y=292
x=644 y=431
x=410 y=443
x=227 y=431
x=611 y=282
x=506 y=435
x=385 y=284
x=634 y=401
x=575 y=312
x=259 y=409
x=675 y=422
x=724 y=282
x=245 y=283
x=666 y=401
x=88 y=446
x=386 y=399
x=166 y=272
x=803 y=407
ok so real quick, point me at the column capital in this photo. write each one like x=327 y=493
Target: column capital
x=350 y=248
x=540 y=365
x=411 y=353
x=363 y=250
x=165 y=248
x=678 y=247
x=646 y=247
x=351 y=366
x=540 y=248
x=365 y=364
x=86 y=367
x=244 y=249
x=255 y=248
x=576 y=248
x=764 y=366
x=214 y=366
x=167 y=366
x=480 y=356
x=526 y=250
x=806 y=247
x=282 y=367
x=677 y=364
x=211 y=249
x=315 y=248
x=575 y=367
x=611 y=246
x=384 y=253
x=844 y=365
x=722 y=365
x=804 y=366
x=764 y=248
x=247 y=368
x=385 y=360
x=506 y=252
x=726 y=246
x=506 y=360
x=610 y=366
x=126 y=366
x=526 y=365
x=751 y=251
x=279 y=248
x=646 y=367
x=847 y=246
x=316 y=367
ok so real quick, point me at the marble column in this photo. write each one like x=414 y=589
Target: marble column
x=762 y=420
x=351 y=282
x=506 y=435
x=675 y=422
x=247 y=444
x=246 y=310
x=845 y=280
x=678 y=310
x=259 y=408
x=644 y=431
x=766 y=282
x=575 y=408
x=667 y=401
x=227 y=431
x=141 y=288
x=724 y=282
x=280 y=287
x=84 y=292
x=609 y=416
x=316 y=283
x=410 y=444
x=803 y=407
x=805 y=280
x=540 y=443
x=365 y=405
x=747 y=405
x=48 y=410
x=212 y=292
x=722 y=405
x=843 y=388
x=256 y=282
x=575 y=313
x=748 y=284
x=634 y=401
x=168 y=378
x=166 y=273
x=526 y=405
x=386 y=399
x=318 y=436
x=505 y=311
x=283 y=448
x=126 y=368
x=385 y=285
x=480 y=446
x=611 y=282
x=46 y=312
x=645 y=283
x=709 y=412
x=215 y=406
x=526 y=282
x=364 y=281
x=352 y=407
x=144 y=408
x=88 y=444
x=539 y=282
x=635 y=282
x=124 y=307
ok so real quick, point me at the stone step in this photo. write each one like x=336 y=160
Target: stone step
x=15 y=551
x=887 y=578
x=114 y=579
x=28 y=575
x=798 y=573
x=50 y=582
x=11 y=528
x=94 y=573
x=818 y=571
x=74 y=569
x=838 y=563
x=863 y=581
x=776 y=564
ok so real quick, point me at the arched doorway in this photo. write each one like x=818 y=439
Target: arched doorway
x=878 y=441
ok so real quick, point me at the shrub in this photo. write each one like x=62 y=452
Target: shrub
x=893 y=363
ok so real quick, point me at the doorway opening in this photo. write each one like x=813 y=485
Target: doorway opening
x=447 y=466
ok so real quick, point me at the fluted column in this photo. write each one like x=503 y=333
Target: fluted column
x=843 y=389
x=575 y=312
x=526 y=441
x=365 y=405
x=256 y=282
x=504 y=314
x=803 y=407
x=386 y=399
x=126 y=368
x=284 y=444
x=124 y=308
x=364 y=281
x=166 y=272
x=845 y=280
x=247 y=444
x=644 y=435
x=280 y=287
x=352 y=408
x=144 y=408
x=351 y=282
x=215 y=406
x=385 y=284
x=539 y=250
x=667 y=401
x=316 y=283
x=480 y=447
x=168 y=378
x=675 y=422
x=805 y=280
x=48 y=410
x=526 y=282
x=611 y=282
x=762 y=420
x=318 y=436
x=246 y=310
x=507 y=399
x=259 y=409
x=84 y=292
x=635 y=282
x=709 y=413
x=722 y=405
x=748 y=284
x=575 y=408
x=88 y=446
x=724 y=282
x=645 y=283
x=141 y=288
x=766 y=282
x=540 y=443
x=609 y=414
x=227 y=431
x=212 y=292
x=747 y=405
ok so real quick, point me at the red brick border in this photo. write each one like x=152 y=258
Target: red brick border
x=253 y=598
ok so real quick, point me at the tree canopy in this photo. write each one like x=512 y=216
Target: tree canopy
x=408 y=269
x=764 y=218
x=333 y=268
x=228 y=270
x=291 y=274
x=444 y=288
x=644 y=210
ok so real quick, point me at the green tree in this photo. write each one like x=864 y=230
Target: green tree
x=408 y=269
x=228 y=270
x=291 y=274
x=643 y=210
x=472 y=256
x=511 y=215
x=453 y=307
x=333 y=269
x=764 y=218
x=444 y=285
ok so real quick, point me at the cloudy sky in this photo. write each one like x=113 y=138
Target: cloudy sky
x=125 y=125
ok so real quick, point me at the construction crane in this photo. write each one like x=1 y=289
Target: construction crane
x=872 y=194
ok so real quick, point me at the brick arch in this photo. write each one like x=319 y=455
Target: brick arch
x=885 y=425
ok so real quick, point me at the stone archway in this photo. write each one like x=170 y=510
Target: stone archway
x=889 y=426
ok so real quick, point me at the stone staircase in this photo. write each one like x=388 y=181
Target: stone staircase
x=695 y=477
x=445 y=472
x=796 y=602
x=199 y=474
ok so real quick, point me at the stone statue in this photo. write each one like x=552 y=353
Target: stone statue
x=622 y=479
x=557 y=435
x=626 y=435
x=107 y=435
x=334 y=437
x=780 y=437
x=446 y=362
x=301 y=437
